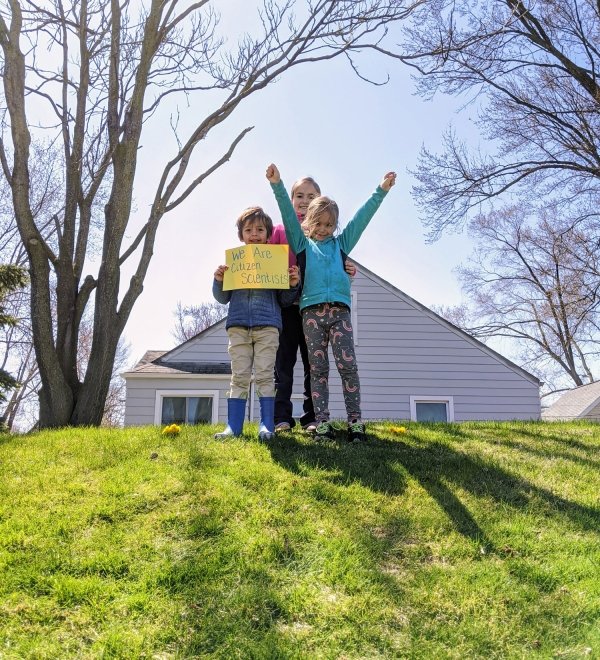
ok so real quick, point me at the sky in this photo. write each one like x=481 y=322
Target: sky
x=319 y=120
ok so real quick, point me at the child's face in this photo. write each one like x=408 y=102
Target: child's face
x=323 y=226
x=303 y=196
x=254 y=231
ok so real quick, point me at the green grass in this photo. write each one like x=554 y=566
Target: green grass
x=477 y=540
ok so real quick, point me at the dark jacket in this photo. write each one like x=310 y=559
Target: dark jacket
x=251 y=308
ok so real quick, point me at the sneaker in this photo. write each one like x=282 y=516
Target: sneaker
x=310 y=428
x=356 y=432
x=324 y=431
x=282 y=427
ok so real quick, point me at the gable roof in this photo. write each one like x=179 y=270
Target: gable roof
x=153 y=363
x=575 y=403
x=163 y=362
x=450 y=326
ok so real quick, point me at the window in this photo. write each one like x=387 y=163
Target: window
x=186 y=407
x=431 y=409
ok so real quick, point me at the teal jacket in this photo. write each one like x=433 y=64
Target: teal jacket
x=325 y=279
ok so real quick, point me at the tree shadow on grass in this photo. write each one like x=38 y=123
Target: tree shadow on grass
x=382 y=466
x=237 y=614
x=345 y=463
x=440 y=469
x=545 y=452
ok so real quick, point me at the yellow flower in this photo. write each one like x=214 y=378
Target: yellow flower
x=174 y=429
x=398 y=429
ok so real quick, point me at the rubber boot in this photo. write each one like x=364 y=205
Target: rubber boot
x=266 y=428
x=236 y=411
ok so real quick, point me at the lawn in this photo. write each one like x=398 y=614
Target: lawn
x=476 y=540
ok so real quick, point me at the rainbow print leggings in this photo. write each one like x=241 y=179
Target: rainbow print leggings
x=324 y=323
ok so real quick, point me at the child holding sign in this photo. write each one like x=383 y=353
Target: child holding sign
x=325 y=299
x=253 y=326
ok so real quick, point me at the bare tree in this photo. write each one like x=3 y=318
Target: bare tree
x=16 y=342
x=531 y=70
x=11 y=278
x=100 y=71
x=17 y=355
x=525 y=282
x=193 y=319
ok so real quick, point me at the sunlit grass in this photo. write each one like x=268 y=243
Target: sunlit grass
x=430 y=541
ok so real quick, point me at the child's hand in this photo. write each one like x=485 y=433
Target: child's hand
x=219 y=273
x=294 y=273
x=388 y=181
x=350 y=267
x=273 y=174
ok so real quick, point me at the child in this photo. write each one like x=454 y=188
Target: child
x=291 y=338
x=325 y=299
x=253 y=325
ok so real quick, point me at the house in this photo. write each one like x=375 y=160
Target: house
x=414 y=365
x=583 y=402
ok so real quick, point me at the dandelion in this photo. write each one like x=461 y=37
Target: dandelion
x=398 y=429
x=173 y=429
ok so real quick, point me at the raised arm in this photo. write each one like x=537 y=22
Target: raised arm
x=354 y=229
x=293 y=231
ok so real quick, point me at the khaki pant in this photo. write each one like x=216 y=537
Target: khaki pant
x=250 y=347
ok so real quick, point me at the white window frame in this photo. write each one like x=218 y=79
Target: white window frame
x=426 y=398
x=160 y=394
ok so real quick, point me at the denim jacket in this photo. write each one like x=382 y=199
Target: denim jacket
x=251 y=308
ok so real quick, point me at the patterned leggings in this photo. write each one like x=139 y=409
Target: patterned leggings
x=323 y=323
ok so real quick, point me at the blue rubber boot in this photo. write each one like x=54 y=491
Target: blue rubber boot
x=266 y=428
x=236 y=411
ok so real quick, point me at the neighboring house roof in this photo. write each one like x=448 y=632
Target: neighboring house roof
x=152 y=363
x=575 y=403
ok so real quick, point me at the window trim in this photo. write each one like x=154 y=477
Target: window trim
x=426 y=398
x=160 y=394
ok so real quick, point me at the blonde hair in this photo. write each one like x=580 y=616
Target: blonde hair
x=316 y=209
x=305 y=179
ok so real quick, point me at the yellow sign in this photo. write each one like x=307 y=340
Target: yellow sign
x=257 y=267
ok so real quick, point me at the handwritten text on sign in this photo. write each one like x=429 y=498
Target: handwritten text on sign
x=257 y=267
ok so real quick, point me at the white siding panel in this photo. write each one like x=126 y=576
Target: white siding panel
x=141 y=395
x=209 y=346
x=402 y=349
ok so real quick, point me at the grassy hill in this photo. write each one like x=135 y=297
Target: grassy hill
x=444 y=541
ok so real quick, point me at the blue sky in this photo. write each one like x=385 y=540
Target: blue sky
x=319 y=119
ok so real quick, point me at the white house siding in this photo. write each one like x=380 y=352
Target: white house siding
x=404 y=349
x=209 y=346
x=140 y=402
